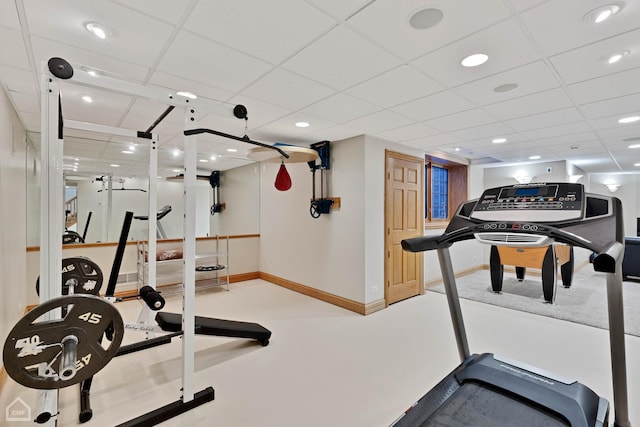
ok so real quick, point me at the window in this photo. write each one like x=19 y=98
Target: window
x=439 y=193
x=445 y=189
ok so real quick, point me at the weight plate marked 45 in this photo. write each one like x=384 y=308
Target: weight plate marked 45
x=33 y=352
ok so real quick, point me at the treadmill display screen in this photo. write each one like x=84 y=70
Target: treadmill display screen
x=536 y=191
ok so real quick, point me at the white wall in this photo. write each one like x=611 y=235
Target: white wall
x=13 y=217
x=341 y=253
x=240 y=192
x=627 y=193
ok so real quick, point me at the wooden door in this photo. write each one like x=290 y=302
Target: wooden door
x=403 y=219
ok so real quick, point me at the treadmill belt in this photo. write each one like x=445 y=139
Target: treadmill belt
x=480 y=406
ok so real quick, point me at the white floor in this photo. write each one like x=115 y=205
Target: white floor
x=326 y=366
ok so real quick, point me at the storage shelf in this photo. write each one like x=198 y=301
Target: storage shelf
x=169 y=271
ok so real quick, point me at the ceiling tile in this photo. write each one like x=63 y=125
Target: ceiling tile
x=13 y=51
x=204 y=64
x=444 y=64
x=378 y=122
x=489 y=130
x=165 y=10
x=386 y=22
x=395 y=87
x=432 y=106
x=558 y=25
x=590 y=61
x=530 y=78
x=9 y=15
x=179 y=83
x=521 y=5
x=258 y=112
x=339 y=9
x=434 y=141
x=620 y=105
x=281 y=87
x=285 y=129
x=138 y=39
x=265 y=30
x=341 y=108
x=17 y=80
x=566 y=129
x=334 y=133
x=465 y=119
x=543 y=120
x=44 y=49
x=340 y=59
x=111 y=106
x=612 y=122
x=409 y=132
x=610 y=86
x=530 y=104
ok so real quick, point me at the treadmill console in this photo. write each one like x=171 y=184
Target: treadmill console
x=540 y=202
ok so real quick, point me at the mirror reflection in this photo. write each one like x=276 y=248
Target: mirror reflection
x=99 y=189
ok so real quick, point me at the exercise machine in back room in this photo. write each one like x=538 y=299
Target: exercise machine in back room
x=487 y=389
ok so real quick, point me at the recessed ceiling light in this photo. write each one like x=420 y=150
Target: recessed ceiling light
x=474 y=60
x=534 y=157
x=187 y=95
x=132 y=147
x=603 y=13
x=629 y=119
x=617 y=57
x=99 y=30
x=176 y=152
x=203 y=161
x=176 y=170
x=113 y=165
x=232 y=150
x=127 y=152
x=457 y=149
x=506 y=87
x=426 y=18
x=499 y=140
x=636 y=164
x=87 y=98
x=92 y=73
x=213 y=157
x=634 y=146
x=302 y=124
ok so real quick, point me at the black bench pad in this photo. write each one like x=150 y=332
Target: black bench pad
x=172 y=322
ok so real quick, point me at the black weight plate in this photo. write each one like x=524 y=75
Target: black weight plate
x=34 y=343
x=83 y=274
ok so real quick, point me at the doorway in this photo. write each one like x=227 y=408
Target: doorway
x=404 y=195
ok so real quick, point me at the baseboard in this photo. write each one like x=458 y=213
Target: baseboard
x=3 y=378
x=348 y=304
x=374 y=306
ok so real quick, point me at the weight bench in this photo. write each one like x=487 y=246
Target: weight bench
x=172 y=322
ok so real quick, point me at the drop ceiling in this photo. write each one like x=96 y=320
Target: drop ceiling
x=347 y=67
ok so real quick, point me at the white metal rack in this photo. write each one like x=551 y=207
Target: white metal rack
x=211 y=268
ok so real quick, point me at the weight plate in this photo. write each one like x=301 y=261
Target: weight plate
x=71 y=237
x=32 y=353
x=80 y=273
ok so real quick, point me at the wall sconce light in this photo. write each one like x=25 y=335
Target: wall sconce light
x=523 y=179
x=574 y=178
x=613 y=187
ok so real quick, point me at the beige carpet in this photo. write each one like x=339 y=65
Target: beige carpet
x=584 y=302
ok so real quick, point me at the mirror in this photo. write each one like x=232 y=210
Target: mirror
x=98 y=193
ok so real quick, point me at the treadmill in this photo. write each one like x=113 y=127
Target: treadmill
x=491 y=390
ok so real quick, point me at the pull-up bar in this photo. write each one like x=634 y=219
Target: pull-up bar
x=237 y=138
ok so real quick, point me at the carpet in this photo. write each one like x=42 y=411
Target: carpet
x=584 y=302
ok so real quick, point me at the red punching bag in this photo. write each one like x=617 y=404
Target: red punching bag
x=283 y=180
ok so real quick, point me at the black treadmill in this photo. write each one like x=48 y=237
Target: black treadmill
x=490 y=390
